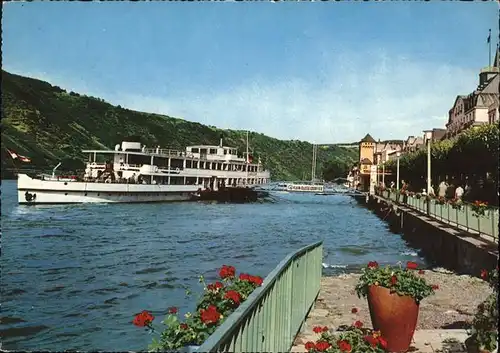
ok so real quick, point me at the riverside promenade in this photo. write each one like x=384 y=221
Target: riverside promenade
x=442 y=320
x=280 y=315
x=457 y=239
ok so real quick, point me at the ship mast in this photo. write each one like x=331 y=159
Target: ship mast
x=248 y=161
x=313 y=168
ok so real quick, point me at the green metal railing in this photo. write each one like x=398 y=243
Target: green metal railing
x=271 y=317
x=461 y=218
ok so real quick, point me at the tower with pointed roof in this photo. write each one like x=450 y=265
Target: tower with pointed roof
x=366 y=150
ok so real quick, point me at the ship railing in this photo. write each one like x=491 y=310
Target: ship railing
x=169 y=152
x=273 y=314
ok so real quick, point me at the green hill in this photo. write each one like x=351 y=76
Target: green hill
x=50 y=125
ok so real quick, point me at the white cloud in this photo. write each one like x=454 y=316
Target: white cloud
x=387 y=96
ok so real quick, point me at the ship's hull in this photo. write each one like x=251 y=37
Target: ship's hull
x=36 y=192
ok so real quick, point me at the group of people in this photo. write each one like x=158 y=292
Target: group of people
x=444 y=189
x=449 y=191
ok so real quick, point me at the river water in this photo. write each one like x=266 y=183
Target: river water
x=73 y=276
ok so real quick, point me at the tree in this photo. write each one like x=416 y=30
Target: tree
x=335 y=169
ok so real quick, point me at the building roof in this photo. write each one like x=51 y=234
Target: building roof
x=491 y=86
x=438 y=134
x=368 y=138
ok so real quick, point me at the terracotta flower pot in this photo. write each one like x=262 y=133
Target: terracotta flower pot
x=394 y=315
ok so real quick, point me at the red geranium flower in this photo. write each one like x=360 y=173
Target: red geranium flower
x=215 y=286
x=322 y=346
x=344 y=346
x=372 y=264
x=394 y=280
x=227 y=271
x=435 y=286
x=354 y=310
x=209 y=315
x=382 y=342
x=256 y=280
x=484 y=274
x=234 y=296
x=358 y=324
x=411 y=265
x=421 y=272
x=144 y=318
x=253 y=279
x=317 y=329
x=325 y=328
x=172 y=310
x=371 y=340
x=310 y=345
x=183 y=326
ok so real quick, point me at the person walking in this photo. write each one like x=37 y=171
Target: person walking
x=431 y=191
x=459 y=192
x=442 y=189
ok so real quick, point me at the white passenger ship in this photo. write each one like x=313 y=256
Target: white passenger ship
x=133 y=173
x=300 y=187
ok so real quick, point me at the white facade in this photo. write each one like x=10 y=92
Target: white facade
x=479 y=107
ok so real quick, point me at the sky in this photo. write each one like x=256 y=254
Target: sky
x=324 y=72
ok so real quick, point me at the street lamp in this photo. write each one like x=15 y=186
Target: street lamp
x=383 y=173
x=398 y=154
x=428 y=140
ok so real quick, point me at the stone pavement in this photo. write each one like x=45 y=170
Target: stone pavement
x=424 y=341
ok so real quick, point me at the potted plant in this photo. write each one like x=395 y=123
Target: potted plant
x=353 y=339
x=441 y=200
x=216 y=303
x=394 y=295
x=479 y=208
x=484 y=331
x=456 y=204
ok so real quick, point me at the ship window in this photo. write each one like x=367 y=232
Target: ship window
x=65 y=193
x=195 y=150
x=189 y=164
x=85 y=194
x=213 y=151
x=98 y=194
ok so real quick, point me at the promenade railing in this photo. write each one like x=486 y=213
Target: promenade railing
x=462 y=217
x=271 y=317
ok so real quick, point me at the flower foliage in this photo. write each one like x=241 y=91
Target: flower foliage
x=484 y=331
x=354 y=339
x=217 y=302
x=456 y=204
x=479 y=208
x=403 y=281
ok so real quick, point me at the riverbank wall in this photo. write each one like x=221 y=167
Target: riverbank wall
x=440 y=243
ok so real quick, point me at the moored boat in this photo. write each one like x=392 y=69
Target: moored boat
x=133 y=173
